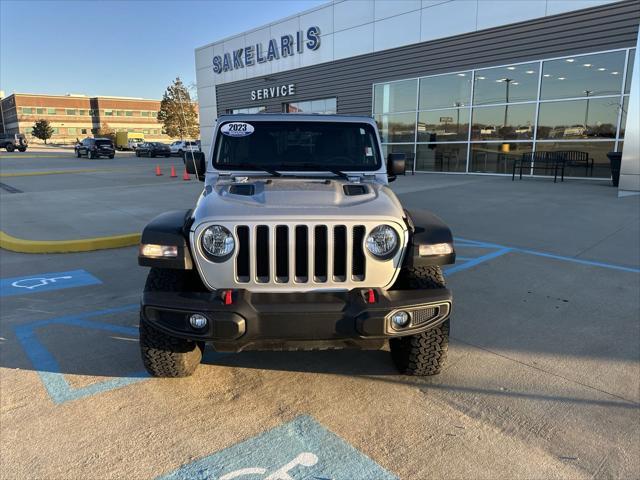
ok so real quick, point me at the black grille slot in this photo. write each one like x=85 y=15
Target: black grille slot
x=282 y=254
x=358 y=259
x=302 y=254
x=243 y=269
x=320 y=254
x=262 y=254
x=340 y=253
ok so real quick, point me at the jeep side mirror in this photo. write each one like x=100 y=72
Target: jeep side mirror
x=195 y=164
x=395 y=165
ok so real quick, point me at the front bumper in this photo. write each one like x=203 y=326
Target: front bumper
x=269 y=320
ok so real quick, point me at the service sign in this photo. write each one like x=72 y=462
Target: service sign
x=276 y=48
x=237 y=129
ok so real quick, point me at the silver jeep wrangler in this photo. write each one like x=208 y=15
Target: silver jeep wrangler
x=296 y=242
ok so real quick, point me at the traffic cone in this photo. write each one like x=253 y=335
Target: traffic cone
x=186 y=176
x=173 y=172
x=158 y=172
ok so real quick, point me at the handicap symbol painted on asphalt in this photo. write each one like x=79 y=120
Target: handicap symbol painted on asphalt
x=42 y=282
x=300 y=449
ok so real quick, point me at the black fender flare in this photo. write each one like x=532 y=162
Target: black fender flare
x=172 y=229
x=425 y=228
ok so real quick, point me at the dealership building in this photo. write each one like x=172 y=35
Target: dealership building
x=460 y=86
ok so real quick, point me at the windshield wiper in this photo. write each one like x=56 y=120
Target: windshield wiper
x=253 y=166
x=318 y=167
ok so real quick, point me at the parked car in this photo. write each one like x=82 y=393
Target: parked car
x=181 y=146
x=153 y=149
x=95 y=148
x=13 y=141
x=259 y=263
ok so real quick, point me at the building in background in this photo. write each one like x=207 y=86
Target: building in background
x=78 y=116
x=460 y=86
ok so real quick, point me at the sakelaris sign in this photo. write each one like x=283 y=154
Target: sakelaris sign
x=275 y=49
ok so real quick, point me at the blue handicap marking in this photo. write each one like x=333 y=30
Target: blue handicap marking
x=43 y=282
x=300 y=449
x=45 y=363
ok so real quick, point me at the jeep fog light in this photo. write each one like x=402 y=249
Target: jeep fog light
x=435 y=249
x=400 y=319
x=382 y=242
x=158 y=251
x=198 y=321
x=217 y=242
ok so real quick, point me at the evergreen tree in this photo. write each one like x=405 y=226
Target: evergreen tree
x=178 y=113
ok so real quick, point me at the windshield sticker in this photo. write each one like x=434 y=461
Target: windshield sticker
x=237 y=129
x=368 y=151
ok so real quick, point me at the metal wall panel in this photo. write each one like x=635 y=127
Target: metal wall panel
x=350 y=79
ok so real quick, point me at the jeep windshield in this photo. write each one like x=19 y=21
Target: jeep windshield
x=296 y=146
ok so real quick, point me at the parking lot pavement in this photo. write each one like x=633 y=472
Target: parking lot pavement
x=542 y=382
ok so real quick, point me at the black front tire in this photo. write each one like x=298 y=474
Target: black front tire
x=10 y=148
x=23 y=149
x=424 y=353
x=162 y=354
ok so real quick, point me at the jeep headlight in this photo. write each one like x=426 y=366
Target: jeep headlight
x=217 y=243
x=382 y=242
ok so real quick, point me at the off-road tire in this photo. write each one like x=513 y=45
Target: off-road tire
x=424 y=353
x=10 y=148
x=162 y=354
x=22 y=149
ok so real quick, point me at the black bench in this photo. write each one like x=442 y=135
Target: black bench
x=547 y=161
x=578 y=159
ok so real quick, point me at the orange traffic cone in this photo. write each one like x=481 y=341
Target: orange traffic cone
x=158 y=172
x=173 y=172
x=186 y=176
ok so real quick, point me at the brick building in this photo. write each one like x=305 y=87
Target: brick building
x=78 y=116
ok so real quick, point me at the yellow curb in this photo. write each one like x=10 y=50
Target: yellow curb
x=20 y=245
x=50 y=172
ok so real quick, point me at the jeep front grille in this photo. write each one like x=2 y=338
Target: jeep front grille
x=302 y=255
x=290 y=254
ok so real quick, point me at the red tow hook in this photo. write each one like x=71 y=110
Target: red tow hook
x=371 y=296
x=227 y=297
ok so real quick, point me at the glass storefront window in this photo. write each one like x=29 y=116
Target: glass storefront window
x=632 y=58
x=583 y=76
x=443 y=125
x=445 y=91
x=443 y=157
x=395 y=97
x=514 y=83
x=596 y=150
x=593 y=118
x=496 y=157
x=505 y=122
x=323 y=105
x=399 y=127
x=623 y=120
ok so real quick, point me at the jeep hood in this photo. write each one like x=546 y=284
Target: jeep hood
x=285 y=198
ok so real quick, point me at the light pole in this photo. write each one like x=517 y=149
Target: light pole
x=586 y=113
x=506 y=108
x=458 y=105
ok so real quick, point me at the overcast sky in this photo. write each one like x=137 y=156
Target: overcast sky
x=124 y=48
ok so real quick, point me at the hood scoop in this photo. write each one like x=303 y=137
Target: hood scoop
x=244 y=189
x=351 y=190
